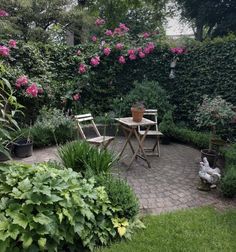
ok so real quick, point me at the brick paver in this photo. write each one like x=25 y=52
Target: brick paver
x=170 y=184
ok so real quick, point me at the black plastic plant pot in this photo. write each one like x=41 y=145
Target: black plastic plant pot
x=23 y=148
x=3 y=157
x=211 y=156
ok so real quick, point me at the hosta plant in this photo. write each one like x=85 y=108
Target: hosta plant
x=43 y=208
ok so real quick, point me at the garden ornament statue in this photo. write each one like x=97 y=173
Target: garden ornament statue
x=209 y=176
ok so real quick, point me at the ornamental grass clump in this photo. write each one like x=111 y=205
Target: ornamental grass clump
x=85 y=158
x=213 y=113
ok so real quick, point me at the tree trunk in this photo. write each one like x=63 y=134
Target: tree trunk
x=199 y=32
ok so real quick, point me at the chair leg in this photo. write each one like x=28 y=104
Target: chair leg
x=158 y=147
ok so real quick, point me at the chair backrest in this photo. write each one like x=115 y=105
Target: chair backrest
x=152 y=113
x=85 y=118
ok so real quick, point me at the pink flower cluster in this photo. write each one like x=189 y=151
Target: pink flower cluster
x=99 y=22
x=119 y=46
x=4 y=51
x=94 y=38
x=76 y=97
x=108 y=32
x=3 y=13
x=121 y=30
x=82 y=68
x=146 y=35
x=107 y=51
x=95 y=61
x=121 y=60
x=12 y=43
x=22 y=81
x=177 y=50
x=32 y=90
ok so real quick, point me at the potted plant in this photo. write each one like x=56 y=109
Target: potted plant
x=137 y=111
x=213 y=113
x=166 y=126
x=23 y=147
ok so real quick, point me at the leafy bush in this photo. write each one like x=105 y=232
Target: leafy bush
x=52 y=127
x=87 y=159
x=167 y=124
x=228 y=182
x=121 y=196
x=149 y=92
x=43 y=208
x=230 y=155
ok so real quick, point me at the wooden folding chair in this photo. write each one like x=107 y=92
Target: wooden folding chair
x=156 y=133
x=100 y=141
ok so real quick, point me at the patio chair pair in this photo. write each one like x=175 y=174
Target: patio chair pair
x=104 y=141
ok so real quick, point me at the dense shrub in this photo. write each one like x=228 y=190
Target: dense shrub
x=85 y=158
x=167 y=124
x=52 y=127
x=43 y=208
x=149 y=92
x=228 y=182
x=230 y=155
x=121 y=196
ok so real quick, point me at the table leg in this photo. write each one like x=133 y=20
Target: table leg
x=127 y=137
x=140 y=147
x=127 y=141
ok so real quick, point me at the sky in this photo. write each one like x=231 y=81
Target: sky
x=175 y=27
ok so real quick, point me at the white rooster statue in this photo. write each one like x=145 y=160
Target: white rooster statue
x=209 y=175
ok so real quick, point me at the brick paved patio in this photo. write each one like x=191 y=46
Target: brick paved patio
x=169 y=185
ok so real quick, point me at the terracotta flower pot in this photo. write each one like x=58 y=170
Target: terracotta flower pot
x=137 y=114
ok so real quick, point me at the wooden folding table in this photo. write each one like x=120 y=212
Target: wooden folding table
x=131 y=128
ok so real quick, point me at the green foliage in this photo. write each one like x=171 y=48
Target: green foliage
x=150 y=93
x=195 y=138
x=228 y=182
x=167 y=124
x=85 y=158
x=52 y=127
x=209 y=18
x=214 y=112
x=43 y=208
x=206 y=69
x=9 y=107
x=121 y=196
x=230 y=155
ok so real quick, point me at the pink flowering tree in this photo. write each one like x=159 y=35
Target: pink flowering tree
x=112 y=48
x=116 y=42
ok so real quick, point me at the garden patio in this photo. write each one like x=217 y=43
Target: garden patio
x=171 y=184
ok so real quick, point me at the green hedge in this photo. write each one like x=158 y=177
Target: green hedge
x=206 y=68
x=228 y=182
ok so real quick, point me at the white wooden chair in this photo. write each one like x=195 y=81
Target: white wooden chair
x=155 y=150
x=99 y=140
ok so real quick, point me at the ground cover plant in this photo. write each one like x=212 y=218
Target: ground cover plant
x=52 y=209
x=189 y=230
